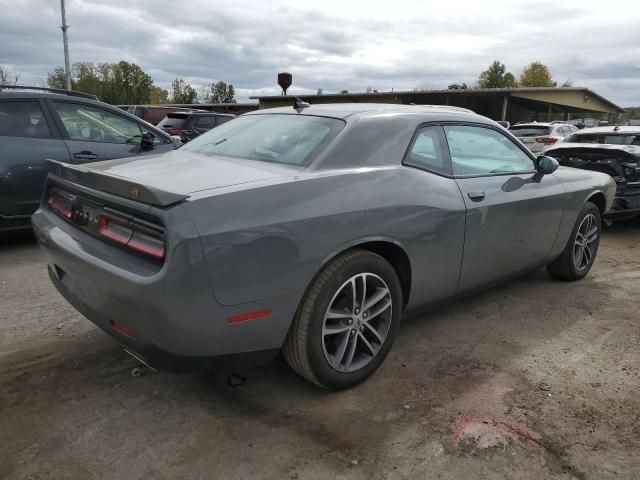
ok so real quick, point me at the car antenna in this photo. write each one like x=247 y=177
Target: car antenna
x=299 y=104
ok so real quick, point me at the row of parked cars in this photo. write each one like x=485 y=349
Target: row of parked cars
x=614 y=150
x=36 y=124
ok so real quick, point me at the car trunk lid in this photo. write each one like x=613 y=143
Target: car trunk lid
x=163 y=180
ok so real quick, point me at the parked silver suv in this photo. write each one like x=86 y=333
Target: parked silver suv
x=538 y=136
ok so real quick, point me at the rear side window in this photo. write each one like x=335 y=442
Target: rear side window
x=483 y=151
x=206 y=122
x=224 y=119
x=529 y=131
x=91 y=124
x=23 y=119
x=428 y=151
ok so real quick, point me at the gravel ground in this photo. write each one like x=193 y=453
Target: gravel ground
x=532 y=379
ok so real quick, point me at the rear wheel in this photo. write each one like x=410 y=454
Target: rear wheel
x=347 y=321
x=581 y=249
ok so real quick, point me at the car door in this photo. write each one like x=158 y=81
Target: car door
x=438 y=258
x=27 y=138
x=92 y=133
x=513 y=212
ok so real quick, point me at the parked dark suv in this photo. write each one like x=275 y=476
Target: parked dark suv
x=190 y=125
x=36 y=124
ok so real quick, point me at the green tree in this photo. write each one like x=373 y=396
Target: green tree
x=115 y=83
x=158 y=95
x=458 y=86
x=57 y=79
x=220 y=92
x=182 y=92
x=536 y=74
x=496 y=76
x=510 y=81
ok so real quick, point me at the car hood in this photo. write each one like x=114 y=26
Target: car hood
x=632 y=149
x=189 y=172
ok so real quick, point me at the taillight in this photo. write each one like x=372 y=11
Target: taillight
x=132 y=235
x=174 y=131
x=546 y=140
x=59 y=203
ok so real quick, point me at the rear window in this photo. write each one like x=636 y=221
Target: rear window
x=173 y=120
x=603 y=138
x=206 y=122
x=285 y=139
x=529 y=131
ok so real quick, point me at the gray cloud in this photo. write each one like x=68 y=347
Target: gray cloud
x=342 y=46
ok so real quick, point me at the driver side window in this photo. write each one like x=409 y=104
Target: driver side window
x=483 y=151
x=91 y=124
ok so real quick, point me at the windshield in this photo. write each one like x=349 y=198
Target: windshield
x=287 y=139
x=529 y=131
x=605 y=138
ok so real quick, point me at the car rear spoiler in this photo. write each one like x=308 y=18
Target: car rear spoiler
x=113 y=184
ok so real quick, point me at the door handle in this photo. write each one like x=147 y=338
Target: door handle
x=85 y=155
x=476 y=195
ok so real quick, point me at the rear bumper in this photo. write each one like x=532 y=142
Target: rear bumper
x=178 y=324
x=156 y=357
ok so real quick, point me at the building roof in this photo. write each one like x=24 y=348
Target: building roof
x=541 y=94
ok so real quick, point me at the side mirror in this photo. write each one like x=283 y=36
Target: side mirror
x=504 y=124
x=547 y=165
x=146 y=143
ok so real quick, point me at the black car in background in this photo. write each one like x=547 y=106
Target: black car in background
x=190 y=125
x=37 y=124
x=611 y=150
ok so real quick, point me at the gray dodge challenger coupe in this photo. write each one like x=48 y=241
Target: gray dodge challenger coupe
x=309 y=230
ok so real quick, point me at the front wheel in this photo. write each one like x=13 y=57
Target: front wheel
x=580 y=252
x=347 y=321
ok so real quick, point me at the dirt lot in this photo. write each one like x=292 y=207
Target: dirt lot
x=533 y=379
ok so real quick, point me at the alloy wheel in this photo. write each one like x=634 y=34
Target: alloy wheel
x=357 y=322
x=585 y=242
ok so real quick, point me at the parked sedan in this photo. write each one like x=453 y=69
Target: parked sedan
x=67 y=126
x=310 y=230
x=538 y=136
x=611 y=150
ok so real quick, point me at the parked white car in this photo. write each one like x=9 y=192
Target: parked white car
x=538 y=136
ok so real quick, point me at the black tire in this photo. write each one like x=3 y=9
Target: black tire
x=564 y=267
x=304 y=349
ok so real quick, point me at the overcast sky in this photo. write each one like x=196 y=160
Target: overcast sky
x=333 y=44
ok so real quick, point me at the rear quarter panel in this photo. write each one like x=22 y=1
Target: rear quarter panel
x=272 y=241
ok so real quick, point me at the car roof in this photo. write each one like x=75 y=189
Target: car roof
x=536 y=124
x=209 y=114
x=345 y=110
x=611 y=129
x=32 y=92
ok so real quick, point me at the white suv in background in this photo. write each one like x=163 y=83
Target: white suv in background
x=537 y=136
